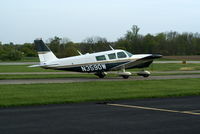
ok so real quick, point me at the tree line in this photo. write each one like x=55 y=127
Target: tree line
x=165 y=43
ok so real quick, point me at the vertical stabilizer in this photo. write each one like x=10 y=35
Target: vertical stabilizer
x=44 y=53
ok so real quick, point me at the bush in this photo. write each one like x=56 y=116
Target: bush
x=12 y=55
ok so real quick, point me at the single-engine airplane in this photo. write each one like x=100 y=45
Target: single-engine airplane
x=98 y=63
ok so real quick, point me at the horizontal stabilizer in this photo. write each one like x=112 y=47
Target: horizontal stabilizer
x=43 y=65
x=36 y=66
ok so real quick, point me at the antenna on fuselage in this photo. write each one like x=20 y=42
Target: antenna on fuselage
x=79 y=52
x=111 y=47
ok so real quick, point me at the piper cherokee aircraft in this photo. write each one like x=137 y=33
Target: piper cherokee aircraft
x=98 y=63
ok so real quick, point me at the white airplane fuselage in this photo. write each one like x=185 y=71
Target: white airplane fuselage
x=89 y=62
x=98 y=63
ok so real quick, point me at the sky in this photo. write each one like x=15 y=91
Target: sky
x=25 y=20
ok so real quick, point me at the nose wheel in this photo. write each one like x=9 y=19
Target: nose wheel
x=125 y=74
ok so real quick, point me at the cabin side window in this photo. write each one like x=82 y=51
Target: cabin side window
x=100 y=58
x=121 y=55
x=112 y=56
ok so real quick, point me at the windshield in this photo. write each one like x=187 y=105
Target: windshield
x=129 y=54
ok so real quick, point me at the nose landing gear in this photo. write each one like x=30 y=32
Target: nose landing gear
x=125 y=74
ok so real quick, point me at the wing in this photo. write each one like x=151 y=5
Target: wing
x=140 y=63
x=43 y=65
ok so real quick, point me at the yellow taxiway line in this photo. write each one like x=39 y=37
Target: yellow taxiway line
x=154 y=109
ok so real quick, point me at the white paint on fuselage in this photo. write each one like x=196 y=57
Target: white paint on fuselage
x=91 y=59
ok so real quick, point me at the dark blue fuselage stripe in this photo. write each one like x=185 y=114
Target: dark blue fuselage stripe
x=79 y=69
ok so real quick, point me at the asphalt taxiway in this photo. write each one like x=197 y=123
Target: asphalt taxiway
x=110 y=72
x=152 y=116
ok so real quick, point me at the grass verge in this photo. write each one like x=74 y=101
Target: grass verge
x=44 y=76
x=22 y=68
x=174 y=67
x=83 y=75
x=153 y=67
x=25 y=59
x=15 y=95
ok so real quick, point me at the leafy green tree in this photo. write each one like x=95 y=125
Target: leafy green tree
x=94 y=44
x=55 y=44
x=28 y=50
x=165 y=43
x=132 y=35
x=134 y=39
x=12 y=55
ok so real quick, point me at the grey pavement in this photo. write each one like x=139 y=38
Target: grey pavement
x=103 y=118
x=111 y=72
x=72 y=80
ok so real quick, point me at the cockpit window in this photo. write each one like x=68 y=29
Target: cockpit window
x=101 y=57
x=121 y=55
x=112 y=56
x=129 y=54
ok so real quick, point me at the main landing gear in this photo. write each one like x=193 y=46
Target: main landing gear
x=101 y=74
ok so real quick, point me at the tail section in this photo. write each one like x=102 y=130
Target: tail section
x=44 y=53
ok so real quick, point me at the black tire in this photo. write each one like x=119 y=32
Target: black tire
x=146 y=75
x=125 y=76
x=100 y=74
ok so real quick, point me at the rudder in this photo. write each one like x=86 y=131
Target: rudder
x=44 y=53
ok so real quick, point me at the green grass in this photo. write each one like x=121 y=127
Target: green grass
x=29 y=59
x=164 y=74
x=22 y=68
x=172 y=67
x=84 y=75
x=153 y=67
x=44 y=76
x=165 y=59
x=25 y=68
x=15 y=95
x=25 y=59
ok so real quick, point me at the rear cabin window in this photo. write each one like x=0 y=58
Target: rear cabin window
x=112 y=56
x=100 y=58
x=121 y=55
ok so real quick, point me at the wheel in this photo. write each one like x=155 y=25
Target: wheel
x=145 y=75
x=125 y=76
x=100 y=74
